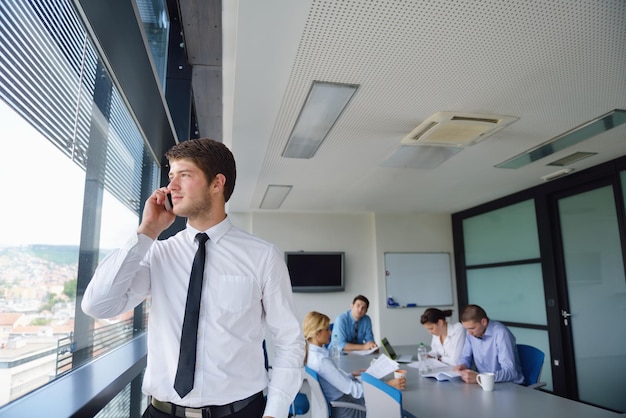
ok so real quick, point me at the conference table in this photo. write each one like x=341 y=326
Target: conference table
x=426 y=397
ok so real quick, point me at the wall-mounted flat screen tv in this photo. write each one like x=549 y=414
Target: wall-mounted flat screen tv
x=316 y=271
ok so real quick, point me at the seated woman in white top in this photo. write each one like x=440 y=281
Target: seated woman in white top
x=448 y=339
x=336 y=384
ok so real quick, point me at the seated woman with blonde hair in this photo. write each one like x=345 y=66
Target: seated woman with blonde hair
x=336 y=384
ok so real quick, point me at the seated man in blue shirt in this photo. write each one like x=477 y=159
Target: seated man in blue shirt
x=490 y=346
x=352 y=329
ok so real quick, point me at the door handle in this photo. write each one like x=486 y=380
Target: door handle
x=565 y=315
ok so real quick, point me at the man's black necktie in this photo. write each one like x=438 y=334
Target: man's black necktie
x=356 y=333
x=189 y=337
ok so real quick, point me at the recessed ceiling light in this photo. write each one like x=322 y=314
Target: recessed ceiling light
x=274 y=196
x=323 y=106
x=580 y=133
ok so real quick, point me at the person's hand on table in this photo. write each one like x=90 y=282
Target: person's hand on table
x=399 y=383
x=369 y=345
x=468 y=376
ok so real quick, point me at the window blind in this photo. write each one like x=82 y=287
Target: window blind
x=48 y=75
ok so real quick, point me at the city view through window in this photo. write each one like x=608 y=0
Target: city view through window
x=40 y=231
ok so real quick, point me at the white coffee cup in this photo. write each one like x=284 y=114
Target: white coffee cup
x=486 y=381
x=399 y=373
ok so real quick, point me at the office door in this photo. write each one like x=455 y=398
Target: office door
x=593 y=312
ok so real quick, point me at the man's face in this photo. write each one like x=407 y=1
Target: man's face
x=359 y=309
x=189 y=189
x=476 y=328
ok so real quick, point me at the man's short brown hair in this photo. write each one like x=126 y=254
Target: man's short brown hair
x=211 y=157
x=362 y=298
x=473 y=313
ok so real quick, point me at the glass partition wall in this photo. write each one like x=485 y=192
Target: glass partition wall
x=549 y=263
x=596 y=295
x=504 y=275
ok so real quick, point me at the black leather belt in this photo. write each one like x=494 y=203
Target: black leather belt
x=218 y=411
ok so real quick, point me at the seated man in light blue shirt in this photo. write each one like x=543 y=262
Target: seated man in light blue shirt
x=352 y=329
x=490 y=346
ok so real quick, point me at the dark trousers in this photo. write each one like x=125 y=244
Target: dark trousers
x=253 y=410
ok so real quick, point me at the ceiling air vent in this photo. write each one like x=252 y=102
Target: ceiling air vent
x=453 y=129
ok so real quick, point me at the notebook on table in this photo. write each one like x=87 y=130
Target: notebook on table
x=405 y=358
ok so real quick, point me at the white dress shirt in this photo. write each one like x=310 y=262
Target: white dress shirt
x=450 y=351
x=246 y=289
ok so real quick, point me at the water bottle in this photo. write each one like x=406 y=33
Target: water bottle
x=335 y=354
x=422 y=358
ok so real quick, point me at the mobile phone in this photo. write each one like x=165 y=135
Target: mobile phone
x=168 y=202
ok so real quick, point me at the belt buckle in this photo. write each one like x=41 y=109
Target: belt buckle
x=195 y=413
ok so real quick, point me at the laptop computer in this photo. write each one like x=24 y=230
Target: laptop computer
x=404 y=358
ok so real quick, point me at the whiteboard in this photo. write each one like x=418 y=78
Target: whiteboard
x=418 y=279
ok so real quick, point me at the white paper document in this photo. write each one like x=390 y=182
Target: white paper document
x=362 y=352
x=382 y=366
x=432 y=363
x=445 y=373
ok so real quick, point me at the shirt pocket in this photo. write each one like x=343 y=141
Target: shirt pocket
x=232 y=293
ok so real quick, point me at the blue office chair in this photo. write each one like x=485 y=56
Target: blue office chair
x=299 y=406
x=320 y=407
x=531 y=359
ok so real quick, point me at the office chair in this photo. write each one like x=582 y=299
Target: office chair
x=381 y=399
x=531 y=359
x=320 y=407
x=299 y=406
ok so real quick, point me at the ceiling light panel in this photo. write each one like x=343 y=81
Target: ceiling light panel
x=274 y=196
x=574 y=136
x=323 y=106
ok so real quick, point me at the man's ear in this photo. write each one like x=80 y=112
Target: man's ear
x=219 y=181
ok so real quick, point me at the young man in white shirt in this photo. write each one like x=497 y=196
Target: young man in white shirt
x=245 y=290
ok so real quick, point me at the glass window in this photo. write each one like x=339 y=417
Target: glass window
x=77 y=165
x=511 y=293
x=39 y=244
x=505 y=234
x=156 y=26
x=119 y=406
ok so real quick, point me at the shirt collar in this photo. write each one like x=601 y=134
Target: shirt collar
x=215 y=233
x=488 y=331
x=317 y=348
x=453 y=330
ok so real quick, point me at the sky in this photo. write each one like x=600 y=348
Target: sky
x=43 y=192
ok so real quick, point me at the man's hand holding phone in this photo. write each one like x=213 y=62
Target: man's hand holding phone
x=157 y=213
